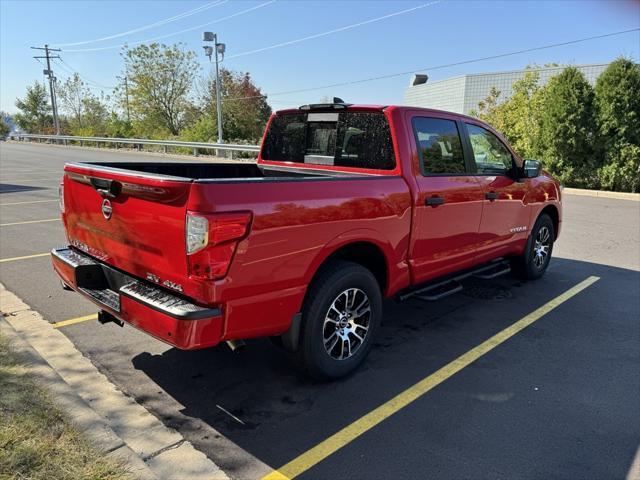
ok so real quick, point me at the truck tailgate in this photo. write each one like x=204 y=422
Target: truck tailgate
x=132 y=221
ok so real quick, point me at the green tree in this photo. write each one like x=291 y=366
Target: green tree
x=622 y=171
x=87 y=115
x=523 y=112
x=159 y=86
x=617 y=101
x=518 y=118
x=245 y=110
x=567 y=129
x=71 y=95
x=4 y=128
x=117 y=127
x=35 y=111
x=95 y=116
x=490 y=110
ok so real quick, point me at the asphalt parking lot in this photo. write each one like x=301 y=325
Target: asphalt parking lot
x=560 y=399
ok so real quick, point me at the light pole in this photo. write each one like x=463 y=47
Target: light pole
x=209 y=51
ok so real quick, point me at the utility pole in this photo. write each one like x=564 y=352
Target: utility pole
x=126 y=93
x=217 y=48
x=52 y=82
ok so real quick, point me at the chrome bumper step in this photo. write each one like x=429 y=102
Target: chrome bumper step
x=106 y=286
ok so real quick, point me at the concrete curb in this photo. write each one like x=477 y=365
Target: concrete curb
x=602 y=193
x=115 y=422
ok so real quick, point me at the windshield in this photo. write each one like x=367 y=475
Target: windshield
x=345 y=139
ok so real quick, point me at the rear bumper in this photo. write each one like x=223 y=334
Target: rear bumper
x=142 y=304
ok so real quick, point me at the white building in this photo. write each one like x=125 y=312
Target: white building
x=462 y=94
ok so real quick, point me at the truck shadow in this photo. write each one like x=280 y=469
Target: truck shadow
x=13 y=188
x=258 y=400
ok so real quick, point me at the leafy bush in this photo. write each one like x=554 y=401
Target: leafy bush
x=622 y=170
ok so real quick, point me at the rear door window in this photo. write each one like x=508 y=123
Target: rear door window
x=439 y=146
x=342 y=139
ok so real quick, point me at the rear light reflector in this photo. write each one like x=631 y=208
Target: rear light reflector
x=197 y=233
x=61 y=197
x=212 y=240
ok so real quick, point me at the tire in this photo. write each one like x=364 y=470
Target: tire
x=533 y=263
x=340 y=318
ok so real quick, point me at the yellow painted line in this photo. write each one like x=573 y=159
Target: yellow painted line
x=13 y=259
x=349 y=433
x=25 y=203
x=29 y=221
x=73 y=321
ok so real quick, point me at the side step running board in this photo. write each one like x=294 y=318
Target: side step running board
x=444 y=288
x=438 y=291
x=493 y=270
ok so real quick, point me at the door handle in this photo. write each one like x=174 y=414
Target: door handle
x=491 y=196
x=434 y=201
x=106 y=188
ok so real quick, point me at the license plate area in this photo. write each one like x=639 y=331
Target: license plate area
x=92 y=280
x=91 y=277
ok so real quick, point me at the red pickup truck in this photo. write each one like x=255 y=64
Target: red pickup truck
x=346 y=204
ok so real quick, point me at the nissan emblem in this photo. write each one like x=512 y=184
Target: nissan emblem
x=107 y=209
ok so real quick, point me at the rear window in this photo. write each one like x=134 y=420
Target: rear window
x=341 y=139
x=439 y=146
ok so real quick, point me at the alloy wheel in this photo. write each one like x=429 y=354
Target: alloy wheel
x=541 y=247
x=346 y=324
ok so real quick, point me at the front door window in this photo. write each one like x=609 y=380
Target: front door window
x=490 y=154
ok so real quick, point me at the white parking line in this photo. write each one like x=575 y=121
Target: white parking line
x=23 y=179
x=25 y=203
x=28 y=221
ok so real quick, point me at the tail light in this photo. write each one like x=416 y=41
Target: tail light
x=211 y=241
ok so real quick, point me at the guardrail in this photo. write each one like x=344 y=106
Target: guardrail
x=139 y=142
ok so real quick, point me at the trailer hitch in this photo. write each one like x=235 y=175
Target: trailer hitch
x=106 y=317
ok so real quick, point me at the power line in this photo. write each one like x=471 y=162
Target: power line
x=438 y=67
x=68 y=68
x=335 y=30
x=160 y=37
x=68 y=76
x=180 y=16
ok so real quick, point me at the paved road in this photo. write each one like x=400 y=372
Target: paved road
x=558 y=400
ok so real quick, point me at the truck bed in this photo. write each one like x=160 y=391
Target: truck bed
x=213 y=171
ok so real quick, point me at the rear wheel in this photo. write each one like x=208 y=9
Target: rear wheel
x=534 y=261
x=341 y=315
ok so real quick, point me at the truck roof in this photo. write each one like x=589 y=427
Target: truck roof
x=370 y=108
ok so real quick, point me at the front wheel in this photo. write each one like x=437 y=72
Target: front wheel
x=341 y=315
x=534 y=261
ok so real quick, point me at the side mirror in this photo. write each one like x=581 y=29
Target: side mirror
x=531 y=168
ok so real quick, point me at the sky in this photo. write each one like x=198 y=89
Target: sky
x=412 y=36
